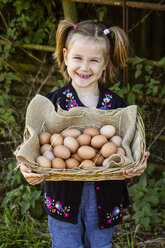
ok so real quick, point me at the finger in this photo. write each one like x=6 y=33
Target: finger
x=36 y=181
x=24 y=168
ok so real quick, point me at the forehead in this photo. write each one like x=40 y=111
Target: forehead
x=86 y=45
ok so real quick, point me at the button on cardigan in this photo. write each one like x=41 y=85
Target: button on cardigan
x=62 y=198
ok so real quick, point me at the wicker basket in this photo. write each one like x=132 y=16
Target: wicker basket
x=28 y=151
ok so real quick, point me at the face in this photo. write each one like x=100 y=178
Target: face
x=85 y=62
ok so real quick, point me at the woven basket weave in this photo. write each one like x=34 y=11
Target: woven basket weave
x=41 y=117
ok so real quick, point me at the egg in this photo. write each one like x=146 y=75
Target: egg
x=44 y=162
x=120 y=150
x=105 y=162
x=98 y=141
x=84 y=139
x=71 y=143
x=73 y=132
x=44 y=138
x=56 y=139
x=108 y=131
x=86 y=152
x=61 y=151
x=98 y=159
x=49 y=155
x=75 y=155
x=58 y=163
x=85 y=164
x=116 y=140
x=91 y=131
x=45 y=147
x=108 y=149
x=71 y=163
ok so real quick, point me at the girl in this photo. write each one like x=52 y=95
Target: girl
x=83 y=214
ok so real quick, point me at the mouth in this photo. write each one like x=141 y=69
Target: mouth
x=84 y=76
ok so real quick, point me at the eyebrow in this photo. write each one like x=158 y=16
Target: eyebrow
x=79 y=55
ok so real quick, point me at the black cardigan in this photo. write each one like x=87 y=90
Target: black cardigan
x=62 y=198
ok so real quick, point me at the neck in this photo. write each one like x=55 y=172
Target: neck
x=88 y=95
x=92 y=89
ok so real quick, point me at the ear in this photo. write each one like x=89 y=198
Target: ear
x=65 y=54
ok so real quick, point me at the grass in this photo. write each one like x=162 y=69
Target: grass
x=22 y=232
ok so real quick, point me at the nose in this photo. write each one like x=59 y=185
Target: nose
x=85 y=66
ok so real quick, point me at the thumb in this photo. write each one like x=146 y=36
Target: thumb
x=24 y=168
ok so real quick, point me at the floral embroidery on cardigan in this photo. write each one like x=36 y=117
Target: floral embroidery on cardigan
x=106 y=103
x=71 y=102
x=115 y=214
x=56 y=206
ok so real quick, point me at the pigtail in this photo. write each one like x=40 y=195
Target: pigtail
x=61 y=36
x=119 y=43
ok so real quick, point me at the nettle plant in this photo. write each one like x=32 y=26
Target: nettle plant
x=147 y=82
x=148 y=199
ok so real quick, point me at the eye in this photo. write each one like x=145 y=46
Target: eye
x=94 y=60
x=77 y=58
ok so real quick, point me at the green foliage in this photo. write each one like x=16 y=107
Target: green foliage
x=22 y=197
x=22 y=231
x=148 y=196
x=146 y=83
x=28 y=22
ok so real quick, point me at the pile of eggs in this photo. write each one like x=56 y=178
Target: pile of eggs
x=72 y=148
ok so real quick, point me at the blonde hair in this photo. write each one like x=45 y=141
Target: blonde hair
x=116 y=44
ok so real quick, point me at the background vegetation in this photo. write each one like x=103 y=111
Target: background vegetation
x=27 y=40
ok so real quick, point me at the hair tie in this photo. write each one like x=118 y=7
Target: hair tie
x=75 y=26
x=106 y=31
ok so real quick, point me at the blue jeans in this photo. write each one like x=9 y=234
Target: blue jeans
x=86 y=233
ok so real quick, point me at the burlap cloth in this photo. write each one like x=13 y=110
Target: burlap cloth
x=41 y=116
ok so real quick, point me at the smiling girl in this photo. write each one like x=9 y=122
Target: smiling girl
x=84 y=214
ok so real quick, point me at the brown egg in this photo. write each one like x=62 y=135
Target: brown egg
x=108 y=149
x=98 y=141
x=73 y=132
x=43 y=162
x=98 y=159
x=46 y=147
x=61 y=151
x=91 y=131
x=116 y=140
x=85 y=164
x=49 y=155
x=56 y=139
x=120 y=150
x=71 y=143
x=108 y=131
x=75 y=155
x=58 y=163
x=84 y=139
x=71 y=163
x=86 y=152
x=44 y=138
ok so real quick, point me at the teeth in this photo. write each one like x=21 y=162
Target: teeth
x=84 y=76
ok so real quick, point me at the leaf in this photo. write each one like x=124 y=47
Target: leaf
x=131 y=98
x=24 y=207
x=145 y=221
x=138 y=60
x=161 y=61
x=143 y=181
x=137 y=88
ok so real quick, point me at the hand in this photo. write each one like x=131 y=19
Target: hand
x=32 y=178
x=139 y=170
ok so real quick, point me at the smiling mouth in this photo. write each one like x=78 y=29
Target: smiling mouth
x=84 y=76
